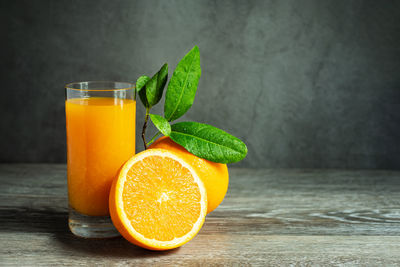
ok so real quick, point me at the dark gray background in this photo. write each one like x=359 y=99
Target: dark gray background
x=303 y=83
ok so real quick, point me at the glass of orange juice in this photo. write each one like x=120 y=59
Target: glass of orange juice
x=100 y=120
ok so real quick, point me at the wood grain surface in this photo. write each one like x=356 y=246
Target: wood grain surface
x=268 y=218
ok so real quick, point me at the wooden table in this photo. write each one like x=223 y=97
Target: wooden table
x=269 y=217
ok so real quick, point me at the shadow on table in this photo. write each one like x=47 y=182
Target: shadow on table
x=111 y=247
x=55 y=223
x=31 y=220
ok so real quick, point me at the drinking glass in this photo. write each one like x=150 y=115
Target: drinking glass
x=100 y=123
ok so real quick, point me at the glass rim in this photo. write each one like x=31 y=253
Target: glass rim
x=70 y=86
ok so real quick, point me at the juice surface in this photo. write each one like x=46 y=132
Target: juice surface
x=100 y=138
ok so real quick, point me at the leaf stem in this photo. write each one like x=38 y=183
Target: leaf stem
x=146 y=119
x=153 y=138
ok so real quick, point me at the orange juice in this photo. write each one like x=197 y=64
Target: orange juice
x=100 y=138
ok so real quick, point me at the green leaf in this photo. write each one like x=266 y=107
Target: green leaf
x=141 y=81
x=208 y=142
x=183 y=85
x=155 y=86
x=140 y=84
x=161 y=123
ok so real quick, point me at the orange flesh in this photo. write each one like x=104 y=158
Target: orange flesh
x=100 y=138
x=161 y=198
x=215 y=176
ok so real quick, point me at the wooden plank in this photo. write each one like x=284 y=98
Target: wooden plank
x=33 y=179
x=269 y=217
x=218 y=249
x=235 y=216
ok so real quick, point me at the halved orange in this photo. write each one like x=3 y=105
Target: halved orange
x=158 y=201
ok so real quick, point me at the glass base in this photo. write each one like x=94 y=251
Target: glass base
x=91 y=226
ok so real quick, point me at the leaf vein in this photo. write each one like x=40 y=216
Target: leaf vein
x=207 y=141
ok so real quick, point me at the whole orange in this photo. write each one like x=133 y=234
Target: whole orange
x=214 y=176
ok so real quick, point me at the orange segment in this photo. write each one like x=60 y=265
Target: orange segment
x=158 y=201
x=214 y=176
